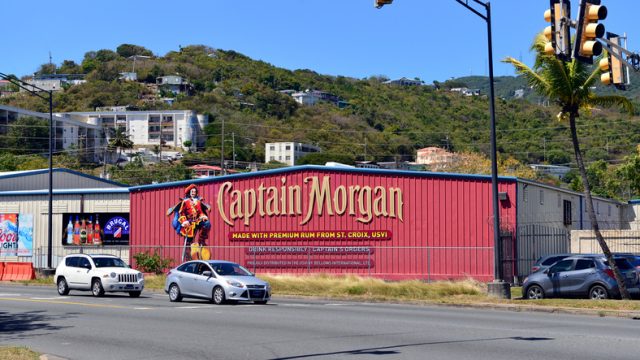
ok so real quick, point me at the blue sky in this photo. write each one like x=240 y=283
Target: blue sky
x=429 y=39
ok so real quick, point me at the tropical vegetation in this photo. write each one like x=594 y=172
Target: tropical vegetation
x=568 y=84
x=380 y=122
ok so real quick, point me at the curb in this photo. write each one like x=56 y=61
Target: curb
x=629 y=314
x=51 y=357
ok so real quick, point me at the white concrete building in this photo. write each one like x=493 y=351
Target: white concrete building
x=287 y=152
x=174 y=127
x=69 y=134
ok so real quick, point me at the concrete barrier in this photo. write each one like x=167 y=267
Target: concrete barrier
x=15 y=271
x=1 y=269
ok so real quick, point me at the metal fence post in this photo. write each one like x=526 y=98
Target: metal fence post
x=428 y=264
x=369 y=260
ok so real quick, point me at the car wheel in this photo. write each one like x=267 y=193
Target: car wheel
x=534 y=292
x=174 y=293
x=135 y=294
x=63 y=287
x=598 y=292
x=96 y=288
x=218 y=296
x=260 y=302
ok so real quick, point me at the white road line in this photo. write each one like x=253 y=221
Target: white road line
x=196 y=307
x=9 y=294
x=142 y=308
x=50 y=298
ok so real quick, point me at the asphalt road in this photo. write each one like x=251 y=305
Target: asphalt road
x=80 y=326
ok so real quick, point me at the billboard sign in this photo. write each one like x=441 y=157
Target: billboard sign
x=16 y=235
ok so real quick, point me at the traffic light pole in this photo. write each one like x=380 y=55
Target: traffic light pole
x=498 y=288
x=21 y=84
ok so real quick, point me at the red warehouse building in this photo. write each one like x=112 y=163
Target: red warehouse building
x=387 y=224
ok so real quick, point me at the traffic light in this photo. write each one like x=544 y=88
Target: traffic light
x=380 y=3
x=558 y=32
x=612 y=67
x=589 y=30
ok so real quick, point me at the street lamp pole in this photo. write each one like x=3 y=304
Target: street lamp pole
x=22 y=84
x=498 y=288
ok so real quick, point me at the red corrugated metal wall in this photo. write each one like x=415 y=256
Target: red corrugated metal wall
x=446 y=231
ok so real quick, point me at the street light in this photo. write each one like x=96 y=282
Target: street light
x=23 y=85
x=498 y=288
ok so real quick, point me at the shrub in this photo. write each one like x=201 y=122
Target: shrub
x=154 y=263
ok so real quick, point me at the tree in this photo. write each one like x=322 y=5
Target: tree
x=127 y=50
x=27 y=135
x=119 y=140
x=569 y=84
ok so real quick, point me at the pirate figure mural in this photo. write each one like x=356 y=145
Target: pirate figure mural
x=190 y=220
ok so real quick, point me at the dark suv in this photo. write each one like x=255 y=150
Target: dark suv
x=579 y=276
x=544 y=262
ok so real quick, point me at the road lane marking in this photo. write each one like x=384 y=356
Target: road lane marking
x=142 y=308
x=49 y=298
x=196 y=307
x=66 y=303
x=10 y=294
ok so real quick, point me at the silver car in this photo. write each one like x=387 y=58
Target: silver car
x=216 y=280
x=579 y=276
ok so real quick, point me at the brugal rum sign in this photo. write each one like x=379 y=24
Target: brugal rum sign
x=315 y=198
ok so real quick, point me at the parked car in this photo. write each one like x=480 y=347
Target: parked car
x=636 y=262
x=217 y=280
x=579 y=276
x=544 y=262
x=97 y=273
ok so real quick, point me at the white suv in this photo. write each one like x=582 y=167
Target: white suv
x=98 y=273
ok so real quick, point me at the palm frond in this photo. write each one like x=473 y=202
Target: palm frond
x=610 y=101
x=534 y=79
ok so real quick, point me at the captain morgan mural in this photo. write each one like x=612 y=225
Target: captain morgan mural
x=315 y=197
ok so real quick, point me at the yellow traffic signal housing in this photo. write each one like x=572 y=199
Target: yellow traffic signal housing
x=380 y=3
x=589 y=30
x=612 y=67
x=558 y=32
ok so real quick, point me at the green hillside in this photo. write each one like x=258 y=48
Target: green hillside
x=382 y=122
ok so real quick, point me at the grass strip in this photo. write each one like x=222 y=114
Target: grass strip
x=17 y=353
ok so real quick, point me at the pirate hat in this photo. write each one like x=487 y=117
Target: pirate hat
x=188 y=189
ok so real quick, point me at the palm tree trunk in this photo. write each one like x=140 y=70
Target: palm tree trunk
x=592 y=215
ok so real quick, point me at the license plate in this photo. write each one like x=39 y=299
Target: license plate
x=129 y=286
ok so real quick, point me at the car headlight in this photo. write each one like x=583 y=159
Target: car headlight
x=140 y=276
x=525 y=279
x=268 y=286
x=235 y=283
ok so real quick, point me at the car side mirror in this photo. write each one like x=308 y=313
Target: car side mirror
x=87 y=266
x=207 y=273
x=547 y=271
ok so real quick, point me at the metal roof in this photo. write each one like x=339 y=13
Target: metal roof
x=292 y=169
x=13 y=174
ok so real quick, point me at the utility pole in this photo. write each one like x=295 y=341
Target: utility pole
x=222 y=171
x=36 y=91
x=233 y=139
x=498 y=287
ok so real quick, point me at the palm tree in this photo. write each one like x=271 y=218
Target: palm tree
x=568 y=84
x=119 y=140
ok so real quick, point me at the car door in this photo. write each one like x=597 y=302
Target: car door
x=71 y=271
x=203 y=284
x=555 y=274
x=187 y=282
x=80 y=276
x=576 y=281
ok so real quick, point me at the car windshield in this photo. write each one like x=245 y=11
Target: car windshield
x=622 y=264
x=229 y=269
x=108 y=262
